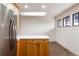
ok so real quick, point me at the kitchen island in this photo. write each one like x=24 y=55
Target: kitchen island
x=32 y=46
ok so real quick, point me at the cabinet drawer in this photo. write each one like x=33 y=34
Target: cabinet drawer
x=22 y=41
x=43 y=41
x=32 y=41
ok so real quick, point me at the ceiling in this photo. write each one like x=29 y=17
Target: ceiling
x=52 y=8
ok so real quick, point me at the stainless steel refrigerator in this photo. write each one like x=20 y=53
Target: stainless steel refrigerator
x=7 y=32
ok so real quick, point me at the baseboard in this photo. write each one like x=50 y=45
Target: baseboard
x=52 y=41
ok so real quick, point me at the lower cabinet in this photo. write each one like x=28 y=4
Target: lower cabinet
x=31 y=50
x=43 y=50
x=21 y=48
x=33 y=47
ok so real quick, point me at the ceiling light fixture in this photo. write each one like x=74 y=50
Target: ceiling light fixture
x=43 y=6
x=26 y=6
x=33 y=13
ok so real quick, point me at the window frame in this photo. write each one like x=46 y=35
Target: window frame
x=59 y=22
x=73 y=19
x=65 y=19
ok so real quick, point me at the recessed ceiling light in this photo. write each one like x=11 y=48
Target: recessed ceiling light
x=33 y=13
x=43 y=6
x=26 y=6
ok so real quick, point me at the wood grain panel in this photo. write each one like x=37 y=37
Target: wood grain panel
x=44 y=51
x=22 y=48
x=32 y=41
x=32 y=49
x=43 y=41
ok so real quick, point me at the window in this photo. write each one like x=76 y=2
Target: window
x=66 y=21
x=59 y=23
x=75 y=19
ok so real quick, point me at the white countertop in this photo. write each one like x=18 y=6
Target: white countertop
x=28 y=37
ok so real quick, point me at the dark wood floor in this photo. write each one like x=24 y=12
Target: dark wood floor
x=56 y=50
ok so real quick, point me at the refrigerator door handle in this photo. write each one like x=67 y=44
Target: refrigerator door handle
x=10 y=35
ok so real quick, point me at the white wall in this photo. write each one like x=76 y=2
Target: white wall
x=41 y=25
x=68 y=36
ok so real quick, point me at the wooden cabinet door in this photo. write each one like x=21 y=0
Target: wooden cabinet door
x=32 y=49
x=43 y=49
x=22 y=48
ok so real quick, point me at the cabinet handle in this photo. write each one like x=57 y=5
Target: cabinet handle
x=43 y=40
x=32 y=40
x=38 y=44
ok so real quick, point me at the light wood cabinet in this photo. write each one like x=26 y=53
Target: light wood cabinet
x=33 y=47
x=43 y=49
x=22 y=48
